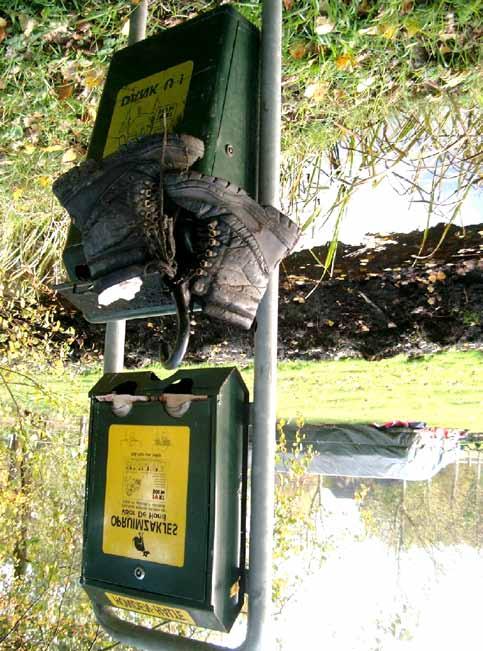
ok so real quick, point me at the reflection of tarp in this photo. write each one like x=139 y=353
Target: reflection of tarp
x=368 y=451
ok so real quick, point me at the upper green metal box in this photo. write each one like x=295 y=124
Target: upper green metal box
x=199 y=78
x=165 y=510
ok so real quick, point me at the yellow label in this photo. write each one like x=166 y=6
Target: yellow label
x=146 y=493
x=148 y=105
x=151 y=608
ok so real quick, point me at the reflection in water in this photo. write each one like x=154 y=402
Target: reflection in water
x=401 y=568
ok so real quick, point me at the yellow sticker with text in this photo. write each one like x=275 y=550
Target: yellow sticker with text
x=146 y=493
x=148 y=105
x=150 y=608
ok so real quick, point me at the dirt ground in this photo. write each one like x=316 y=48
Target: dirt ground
x=382 y=300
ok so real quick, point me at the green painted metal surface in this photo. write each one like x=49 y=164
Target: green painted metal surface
x=214 y=62
x=207 y=585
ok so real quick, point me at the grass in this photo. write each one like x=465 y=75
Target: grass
x=347 y=67
x=444 y=389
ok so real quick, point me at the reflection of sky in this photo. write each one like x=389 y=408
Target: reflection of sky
x=360 y=601
x=382 y=209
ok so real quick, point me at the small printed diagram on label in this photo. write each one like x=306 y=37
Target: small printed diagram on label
x=144 y=481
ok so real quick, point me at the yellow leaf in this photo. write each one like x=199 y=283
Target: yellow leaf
x=29 y=148
x=388 y=31
x=441 y=275
x=329 y=323
x=70 y=156
x=323 y=25
x=93 y=78
x=345 y=62
x=17 y=193
x=44 y=181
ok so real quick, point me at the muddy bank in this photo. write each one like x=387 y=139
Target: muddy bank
x=381 y=300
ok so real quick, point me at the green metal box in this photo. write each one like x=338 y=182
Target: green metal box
x=165 y=509
x=200 y=78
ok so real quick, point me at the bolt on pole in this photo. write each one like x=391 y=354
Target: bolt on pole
x=115 y=338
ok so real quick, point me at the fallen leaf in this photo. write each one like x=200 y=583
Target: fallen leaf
x=407 y=6
x=288 y=4
x=298 y=299
x=456 y=80
x=70 y=71
x=430 y=289
x=369 y=31
x=70 y=156
x=17 y=193
x=29 y=148
x=27 y=24
x=329 y=323
x=64 y=91
x=365 y=84
x=441 y=276
x=89 y=114
x=44 y=181
x=345 y=62
x=3 y=29
x=388 y=31
x=323 y=25
x=125 y=28
x=298 y=50
x=3 y=84
x=51 y=148
x=412 y=27
x=431 y=300
x=93 y=78
x=316 y=91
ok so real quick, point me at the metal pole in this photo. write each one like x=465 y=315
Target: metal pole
x=116 y=330
x=260 y=633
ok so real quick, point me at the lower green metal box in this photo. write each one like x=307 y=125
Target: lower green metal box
x=199 y=78
x=165 y=509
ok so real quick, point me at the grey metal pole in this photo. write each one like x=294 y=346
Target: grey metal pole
x=260 y=633
x=116 y=330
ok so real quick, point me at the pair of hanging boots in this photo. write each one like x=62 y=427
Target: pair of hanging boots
x=142 y=208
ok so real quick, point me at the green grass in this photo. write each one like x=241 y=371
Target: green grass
x=444 y=389
x=374 y=59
